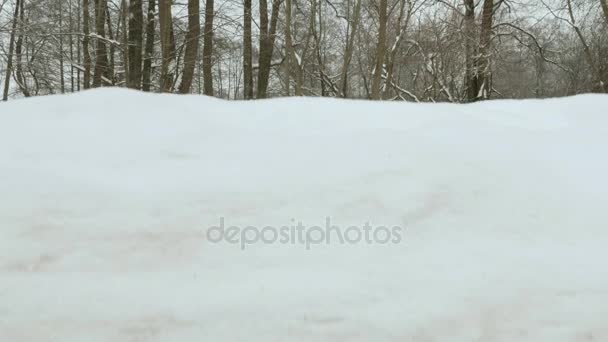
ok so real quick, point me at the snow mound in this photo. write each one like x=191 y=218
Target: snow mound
x=107 y=197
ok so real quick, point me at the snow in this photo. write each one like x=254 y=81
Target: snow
x=107 y=195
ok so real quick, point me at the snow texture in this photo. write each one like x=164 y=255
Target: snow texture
x=106 y=196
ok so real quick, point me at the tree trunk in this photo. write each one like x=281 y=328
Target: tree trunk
x=78 y=46
x=588 y=54
x=136 y=18
x=149 y=53
x=110 y=74
x=194 y=30
x=267 y=37
x=380 y=51
x=101 y=62
x=247 y=53
x=348 y=52
x=484 y=83
x=262 y=82
x=18 y=54
x=317 y=40
x=469 y=36
x=85 y=44
x=71 y=42
x=9 y=62
x=208 y=49
x=167 y=41
x=289 y=51
x=61 y=64
x=402 y=28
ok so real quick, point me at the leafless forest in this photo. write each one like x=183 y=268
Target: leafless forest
x=404 y=50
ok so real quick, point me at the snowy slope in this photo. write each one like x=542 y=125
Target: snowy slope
x=106 y=197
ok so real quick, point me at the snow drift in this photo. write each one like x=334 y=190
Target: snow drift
x=106 y=195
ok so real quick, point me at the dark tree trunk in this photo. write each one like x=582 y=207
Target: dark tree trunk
x=71 y=42
x=289 y=50
x=247 y=53
x=110 y=75
x=78 y=46
x=9 y=62
x=380 y=51
x=469 y=36
x=18 y=54
x=147 y=69
x=194 y=30
x=208 y=49
x=167 y=41
x=348 y=52
x=267 y=37
x=85 y=44
x=61 y=64
x=136 y=18
x=484 y=74
x=101 y=58
x=262 y=83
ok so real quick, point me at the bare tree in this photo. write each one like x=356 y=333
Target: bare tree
x=400 y=50
x=19 y=75
x=406 y=10
x=587 y=50
x=470 y=52
x=289 y=50
x=484 y=74
x=149 y=52
x=85 y=44
x=380 y=50
x=247 y=52
x=267 y=37
x=167 y=41
x=101 y=62
x=60 y=38
x=208 y=48
x=191 y=53
x=9 y=63
x=135 y=48
x=350 y=45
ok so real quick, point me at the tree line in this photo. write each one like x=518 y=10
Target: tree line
x=408 y=50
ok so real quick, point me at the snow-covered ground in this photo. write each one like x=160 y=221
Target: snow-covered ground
x=106 y=198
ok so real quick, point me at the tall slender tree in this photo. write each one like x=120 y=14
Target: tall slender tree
x=380 y=50
x=78 y=45
x=247 y=52
x=348 y=50
x=71 y=43
x=469 y=43
x=19 y=75
x=135 y=48
x=60 y=38
x=267 y=38
x=192 y=37
x=484 y=72
x=599 y=83
x=109 y=74
x=101 y=53
x=289 y=50
x=208 y=48
x=9 y=63
x=167 y=42
x=85 y=44
x=149 y=52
